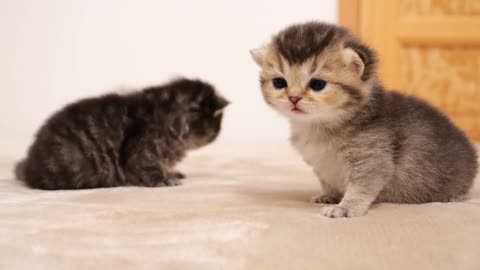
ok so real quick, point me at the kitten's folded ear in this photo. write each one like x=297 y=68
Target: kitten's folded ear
x=220 y=106
x=363 y=59
x=258 y=55
x=353 y=59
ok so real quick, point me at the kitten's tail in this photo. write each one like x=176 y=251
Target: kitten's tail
x=20 y=170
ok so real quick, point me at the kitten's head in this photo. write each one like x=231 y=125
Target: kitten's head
x=316 y=72
x=202 y=107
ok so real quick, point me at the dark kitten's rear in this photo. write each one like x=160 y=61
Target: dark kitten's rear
x=117 y=140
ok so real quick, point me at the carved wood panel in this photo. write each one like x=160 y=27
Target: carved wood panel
x=439 y=7
x=446 y=76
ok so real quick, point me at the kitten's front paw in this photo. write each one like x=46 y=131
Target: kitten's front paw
x=325 y=199
x=176 y=175
x=170 y=183
x=336 y=211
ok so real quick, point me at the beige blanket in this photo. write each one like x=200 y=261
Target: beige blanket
x=243 y=208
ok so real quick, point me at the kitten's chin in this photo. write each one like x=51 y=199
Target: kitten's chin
x=326 y=117
x=297 y=115
x=303 y=118
x=199 y=142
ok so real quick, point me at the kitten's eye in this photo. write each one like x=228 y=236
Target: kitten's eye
x=279 y=83
x=317 y=85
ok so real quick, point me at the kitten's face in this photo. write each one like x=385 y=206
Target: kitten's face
x=323 y=83
x=203 y=107
x=205 y=121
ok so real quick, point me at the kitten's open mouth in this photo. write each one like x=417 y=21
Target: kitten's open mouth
x=297 y=110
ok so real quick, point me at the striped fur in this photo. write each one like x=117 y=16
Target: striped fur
x=364 y=144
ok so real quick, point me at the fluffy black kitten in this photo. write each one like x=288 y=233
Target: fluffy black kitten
x=118 y=140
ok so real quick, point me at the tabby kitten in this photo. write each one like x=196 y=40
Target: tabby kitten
x=365 y=144
x=119 y=140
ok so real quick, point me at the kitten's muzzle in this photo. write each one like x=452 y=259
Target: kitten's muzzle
x=297 y=110
x=294 y=99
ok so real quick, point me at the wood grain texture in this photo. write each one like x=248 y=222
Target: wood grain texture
x=447 y=77
x=439 y=31
x=378 y=24
x=439 y=7
x=348 y=15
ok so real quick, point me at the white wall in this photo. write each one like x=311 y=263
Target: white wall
x=56 y=51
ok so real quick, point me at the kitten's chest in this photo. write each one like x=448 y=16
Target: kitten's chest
x=324 y=155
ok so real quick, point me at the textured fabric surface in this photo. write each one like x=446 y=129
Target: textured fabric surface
x=242 y=208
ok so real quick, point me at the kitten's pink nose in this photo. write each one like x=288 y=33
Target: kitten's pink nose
x=294 y=100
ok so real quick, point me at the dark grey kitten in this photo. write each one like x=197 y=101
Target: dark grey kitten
x=118 y=140
x=365 y=144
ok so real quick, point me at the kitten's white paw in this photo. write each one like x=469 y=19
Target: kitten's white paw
x=325 y=199
x=336 y=211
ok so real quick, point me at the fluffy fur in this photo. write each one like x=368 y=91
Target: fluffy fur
x=365 y=144
x=118 y=140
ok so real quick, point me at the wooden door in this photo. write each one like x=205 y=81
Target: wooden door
x=427 y=48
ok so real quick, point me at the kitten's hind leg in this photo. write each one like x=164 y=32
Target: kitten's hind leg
x=328 y=196
x=325 y=199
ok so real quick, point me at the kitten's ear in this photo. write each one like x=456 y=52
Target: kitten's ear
x=352 y=58
x=258 y=55
x=364 y=59
x=220 y=106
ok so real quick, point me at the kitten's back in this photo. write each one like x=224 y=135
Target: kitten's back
x=75 y=148
x=428 y=149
